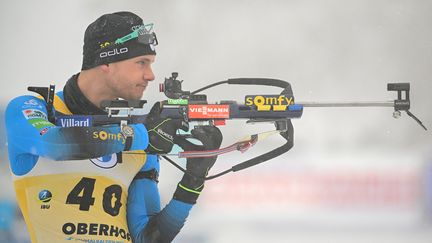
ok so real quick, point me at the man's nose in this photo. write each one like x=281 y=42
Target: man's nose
x=149 y=75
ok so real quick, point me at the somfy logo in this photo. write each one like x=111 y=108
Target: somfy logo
x=114 y=52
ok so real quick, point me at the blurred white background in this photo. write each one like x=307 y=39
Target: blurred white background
x=354 y=175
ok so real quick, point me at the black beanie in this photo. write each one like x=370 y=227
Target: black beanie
x=100 y=37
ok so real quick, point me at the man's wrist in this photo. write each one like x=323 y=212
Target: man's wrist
x=141 y=139
x=188 y=189
x=185 y=194
x=128 y=134
x=191 y=190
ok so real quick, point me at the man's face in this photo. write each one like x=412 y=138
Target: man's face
x=129 y=78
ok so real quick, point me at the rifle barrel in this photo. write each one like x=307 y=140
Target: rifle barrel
x=348 y=104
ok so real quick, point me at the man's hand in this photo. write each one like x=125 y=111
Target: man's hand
x=192 y=182
x=161 y=131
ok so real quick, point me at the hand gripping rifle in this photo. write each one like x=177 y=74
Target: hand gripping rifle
x=193 y=107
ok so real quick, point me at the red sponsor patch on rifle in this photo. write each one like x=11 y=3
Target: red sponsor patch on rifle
x=208 y=111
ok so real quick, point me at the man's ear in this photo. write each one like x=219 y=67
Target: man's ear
x=105 y=68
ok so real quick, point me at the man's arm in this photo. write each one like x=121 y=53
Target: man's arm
x=146 y=221
x=31 y=135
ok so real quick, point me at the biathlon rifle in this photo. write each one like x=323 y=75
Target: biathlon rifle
x=193 y=107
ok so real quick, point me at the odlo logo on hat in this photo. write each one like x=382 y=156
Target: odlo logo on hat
x=114 y=52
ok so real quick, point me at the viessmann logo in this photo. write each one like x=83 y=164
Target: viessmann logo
x=209 y=111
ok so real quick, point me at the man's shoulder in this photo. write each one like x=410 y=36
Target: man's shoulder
x=25 y=106
x=59 y=94
x=31 y=99
x=60 y=105
x=26 y=102
x=31 y=102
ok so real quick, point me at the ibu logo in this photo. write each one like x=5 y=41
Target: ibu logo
x=45 y=196
x=74 y=121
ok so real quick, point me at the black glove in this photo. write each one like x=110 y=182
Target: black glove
x=161 y=131
x=192 y=182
